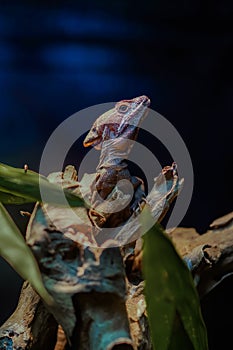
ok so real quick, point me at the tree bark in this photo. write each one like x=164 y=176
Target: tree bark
x=210 y=255
x=111 y=313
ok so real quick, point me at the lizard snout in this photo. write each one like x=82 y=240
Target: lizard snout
x=144 y=100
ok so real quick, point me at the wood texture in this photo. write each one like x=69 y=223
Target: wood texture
x=106 y=289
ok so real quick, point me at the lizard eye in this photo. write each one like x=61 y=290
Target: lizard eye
x=123 y=108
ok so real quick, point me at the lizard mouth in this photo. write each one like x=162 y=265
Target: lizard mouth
x=93 y=143
x=96 y=143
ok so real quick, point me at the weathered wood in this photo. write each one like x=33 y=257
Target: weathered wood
x=209 y=255
x=101 y=295
x=31 y=326
x=76 y=272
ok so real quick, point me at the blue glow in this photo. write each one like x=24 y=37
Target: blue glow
x=97 y=25
x=6 y=54
x=72 y=56
x=67 y=23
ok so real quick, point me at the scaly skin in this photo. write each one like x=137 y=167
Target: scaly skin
x=111 y=134
x=115 y=122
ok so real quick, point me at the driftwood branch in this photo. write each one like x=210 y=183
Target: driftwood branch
x=31 y=326
x=102 y=289
x=210 y=255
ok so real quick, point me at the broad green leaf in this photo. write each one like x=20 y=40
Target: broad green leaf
x=173 y=305
x=27 y=185
x=15 y=251
x=179 y=338
x=8 y=198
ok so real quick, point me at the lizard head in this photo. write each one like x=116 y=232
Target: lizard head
x=114 y=122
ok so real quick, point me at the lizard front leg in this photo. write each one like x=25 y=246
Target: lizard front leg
x=139 y=198
x=100 y=190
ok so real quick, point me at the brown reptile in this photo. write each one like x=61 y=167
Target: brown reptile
x=113 y=133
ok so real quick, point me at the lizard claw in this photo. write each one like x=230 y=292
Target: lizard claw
x=96 y=218
x=138 y=206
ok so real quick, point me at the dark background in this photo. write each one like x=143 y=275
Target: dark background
x=58 y=58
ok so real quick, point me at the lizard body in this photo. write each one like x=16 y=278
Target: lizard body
x=113 y=133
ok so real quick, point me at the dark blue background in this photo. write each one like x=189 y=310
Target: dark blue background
x=58 y=58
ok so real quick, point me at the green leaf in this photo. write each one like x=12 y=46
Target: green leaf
x=8 y=198
x=15 y=251
x=173 y=304
x=25 y=187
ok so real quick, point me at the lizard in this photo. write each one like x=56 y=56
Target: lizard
x=113 y=134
